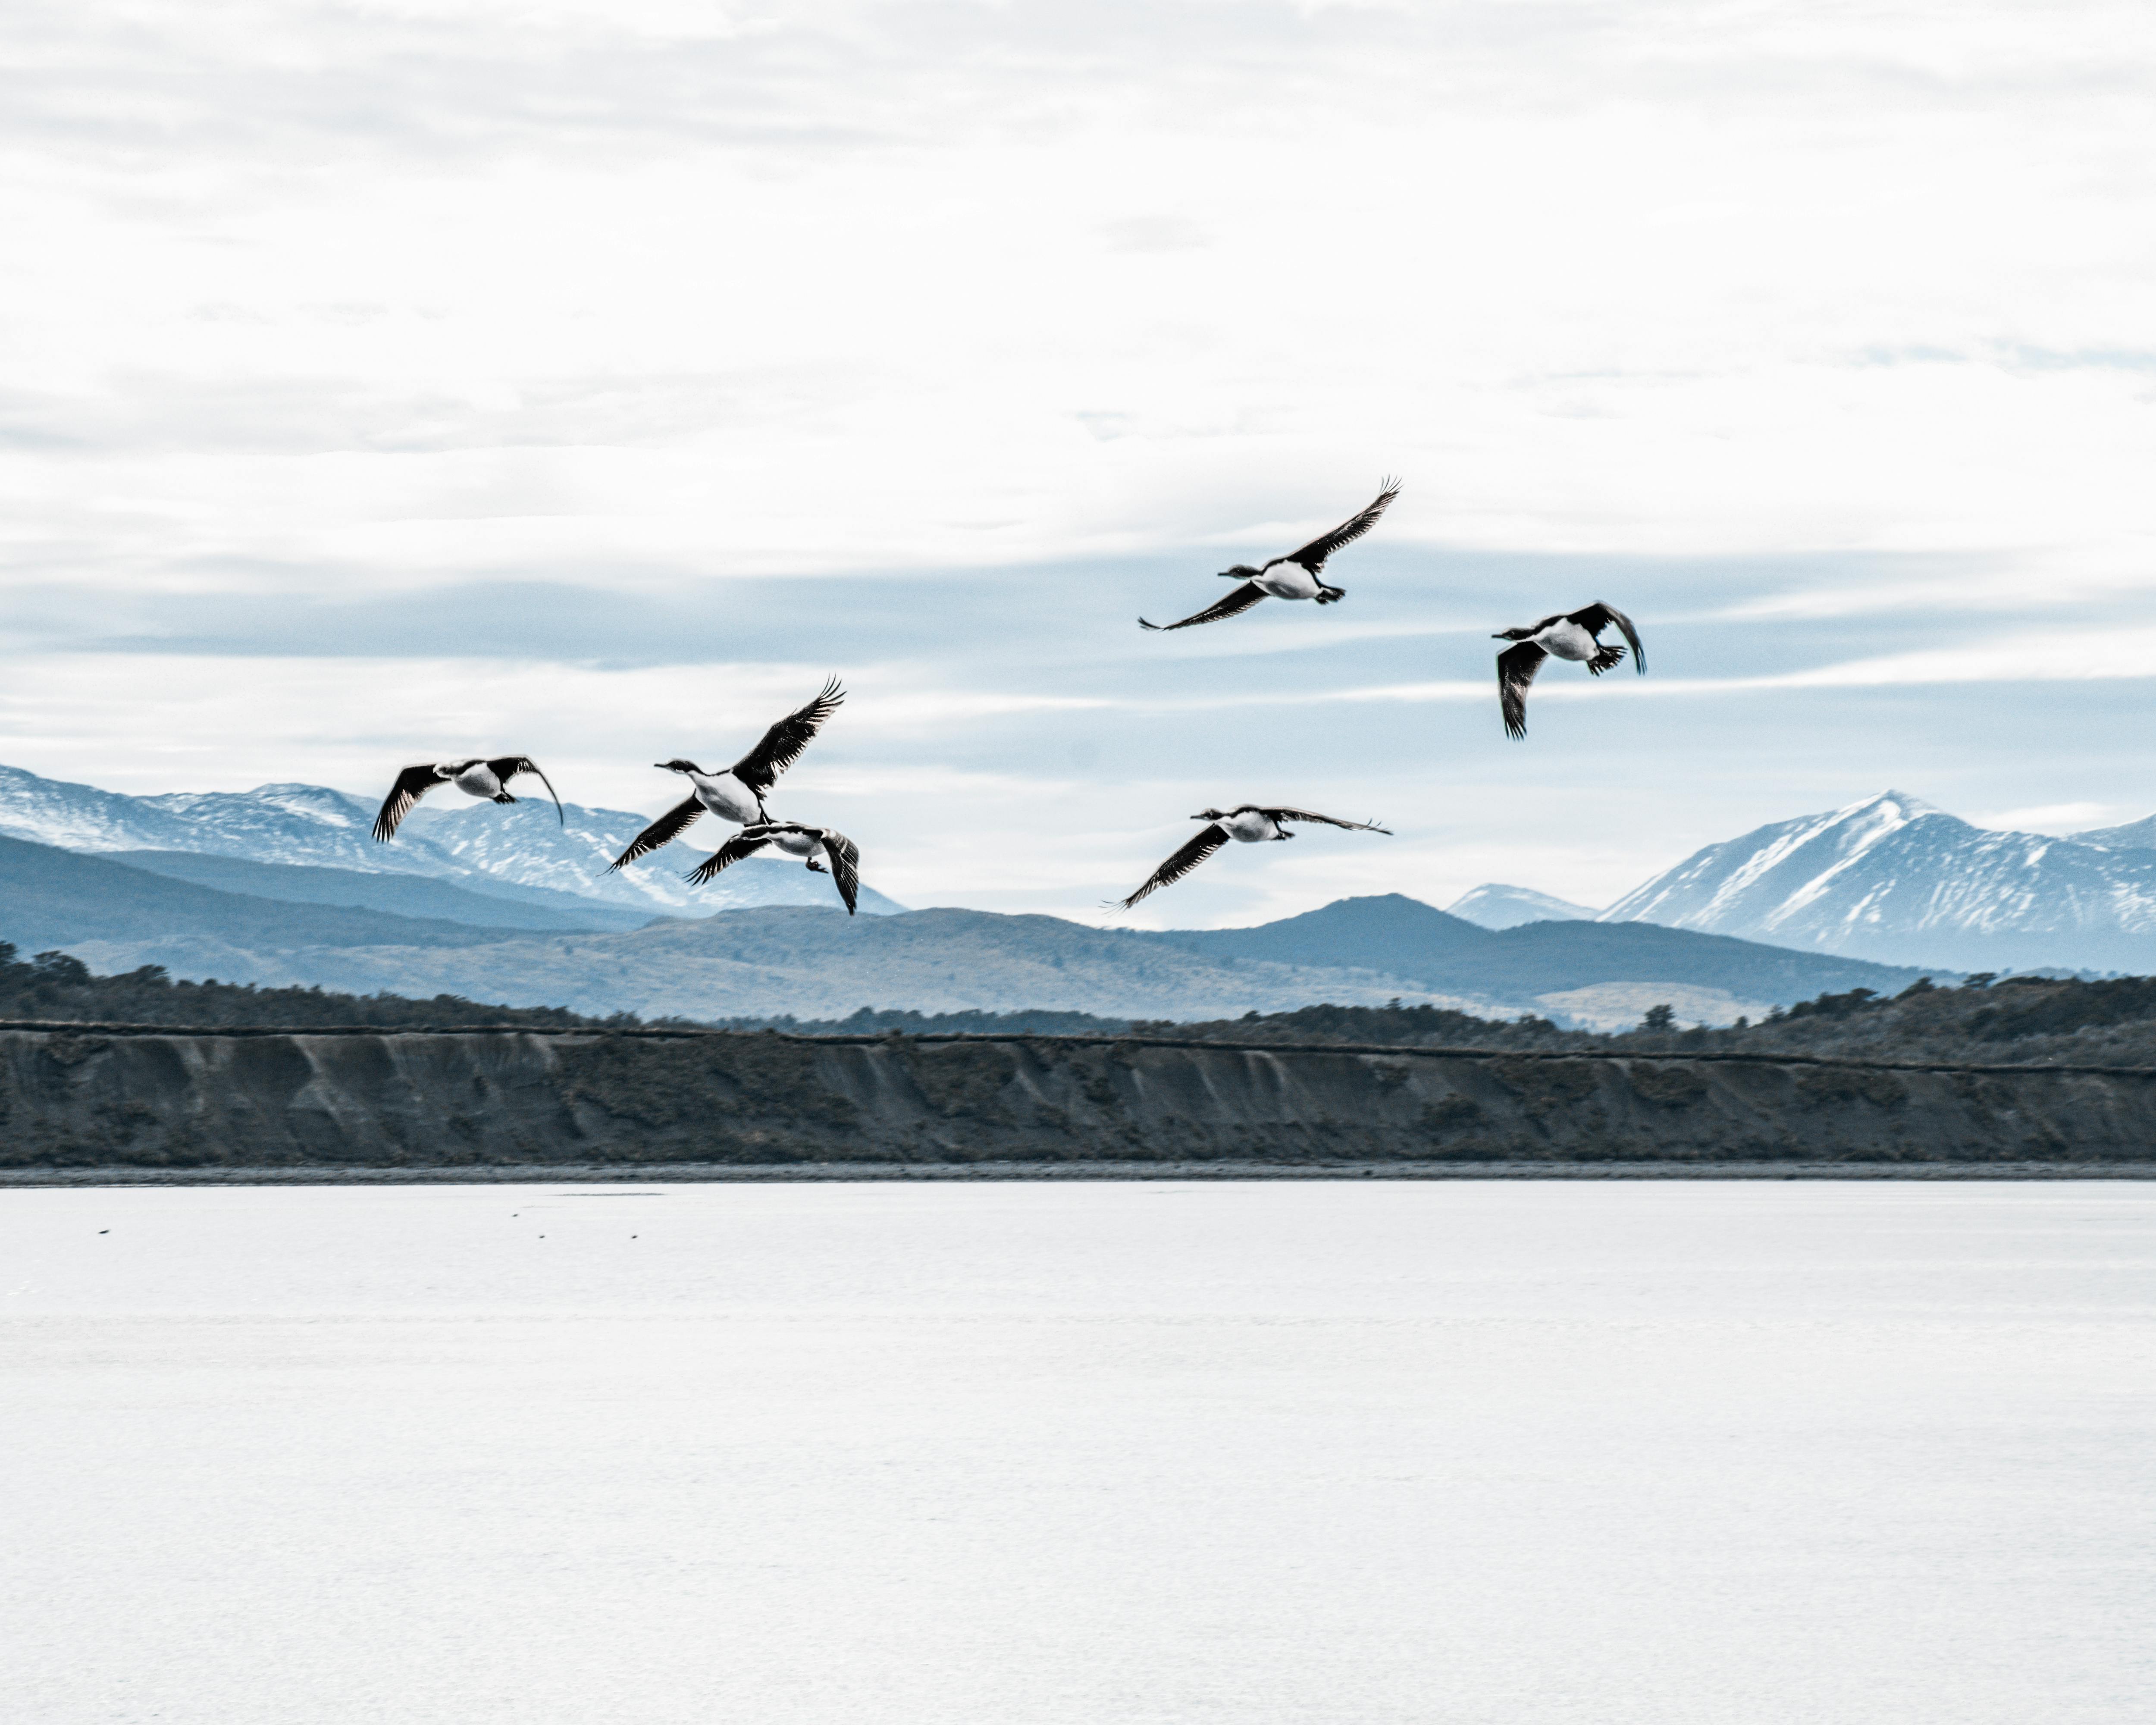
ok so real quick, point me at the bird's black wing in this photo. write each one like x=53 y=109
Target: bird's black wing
x=782 y=744
x=845 y=866
x=1181 y=863
x=1313 y=555
x=669 y=827
x=1598 y=617
x=413 y=783
x=1239 y=599
x=743 y=843
x=509 y=766
x=1278 y=815
x=1515 y=669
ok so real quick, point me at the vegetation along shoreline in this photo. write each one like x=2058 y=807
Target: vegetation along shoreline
x=167 y=1078
x=77 y=1096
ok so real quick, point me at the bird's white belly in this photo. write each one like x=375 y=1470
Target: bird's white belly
x=728 y=798
x=1288 y=581
x=795 y=843
x=1249 y=828
x=1567 y=640
x=478 y=780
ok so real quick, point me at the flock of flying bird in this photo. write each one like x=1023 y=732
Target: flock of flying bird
x=736 y=794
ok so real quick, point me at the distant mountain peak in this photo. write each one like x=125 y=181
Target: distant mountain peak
x=1494 y=904
x=1895 y=803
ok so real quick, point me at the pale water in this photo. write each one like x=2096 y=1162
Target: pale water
x=883 y=1455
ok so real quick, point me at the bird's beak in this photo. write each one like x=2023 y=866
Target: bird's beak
x=1498 y=637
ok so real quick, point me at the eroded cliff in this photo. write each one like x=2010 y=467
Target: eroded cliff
x=82 y=1097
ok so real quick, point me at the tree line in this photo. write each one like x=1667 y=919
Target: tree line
x=59 y=987
x=2109 y=1022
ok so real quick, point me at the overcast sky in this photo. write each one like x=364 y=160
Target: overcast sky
x=385 y=381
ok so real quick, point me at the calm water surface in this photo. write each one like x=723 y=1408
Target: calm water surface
x=1364 y=1453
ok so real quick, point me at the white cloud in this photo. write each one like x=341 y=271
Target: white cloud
x=2064 y=817
x=392 y=300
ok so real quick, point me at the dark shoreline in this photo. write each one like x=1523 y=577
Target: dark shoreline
x=826 y=1172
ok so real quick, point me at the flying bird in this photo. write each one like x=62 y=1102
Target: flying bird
x=1249 y=825
x=1299 y=575
x=473 y=777
x=1573 y=636
x=736 y=793
x=795 y=840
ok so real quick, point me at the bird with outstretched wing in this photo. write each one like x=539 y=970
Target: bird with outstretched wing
x=1248 y=822
x=784 y=743
x=795 y=840
x=1299 y=575
x=736 y=793
x=475 y=776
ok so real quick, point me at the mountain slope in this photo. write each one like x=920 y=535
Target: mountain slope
x=80 y=817
x=52 y=898
x=2137 y=835
x=399 y=894
x=1494 y=906
x=1892 y=879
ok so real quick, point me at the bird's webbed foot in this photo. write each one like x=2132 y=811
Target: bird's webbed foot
x=815 y=867
x=504 y=797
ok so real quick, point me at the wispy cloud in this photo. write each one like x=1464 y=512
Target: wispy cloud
x=590 y=374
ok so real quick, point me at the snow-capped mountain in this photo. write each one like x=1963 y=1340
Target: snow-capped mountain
x=1493 y=905
x=77 y=817
x=1894 y=880
x=301 y=824
x=516 y=848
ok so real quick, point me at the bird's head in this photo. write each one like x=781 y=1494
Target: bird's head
x=1242 y=571
x=1513 y=634
x=1211 y=815
x=678 y=766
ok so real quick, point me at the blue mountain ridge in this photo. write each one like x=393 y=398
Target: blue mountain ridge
x=814 y=961
x=1404 y=937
